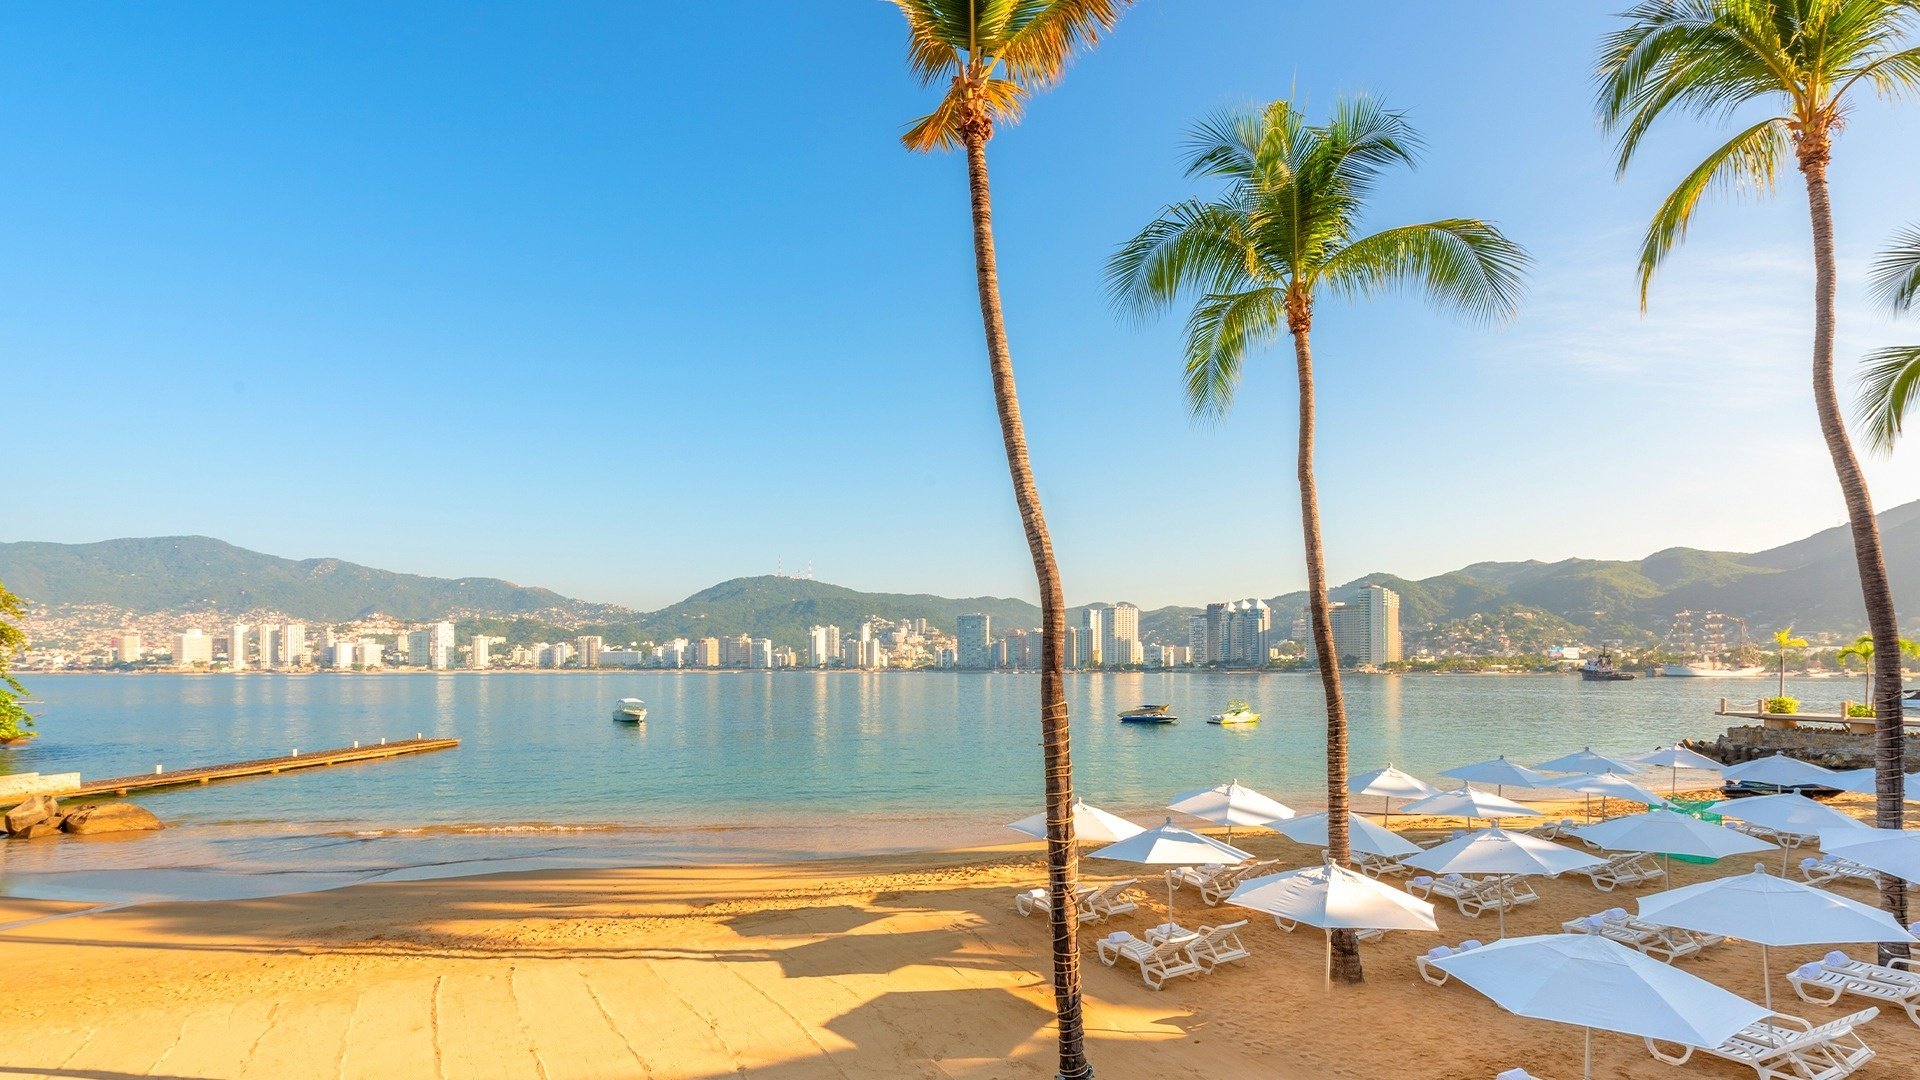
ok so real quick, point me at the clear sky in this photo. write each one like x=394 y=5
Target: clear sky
x=627 y=299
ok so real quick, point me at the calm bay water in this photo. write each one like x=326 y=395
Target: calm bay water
x=749 y=765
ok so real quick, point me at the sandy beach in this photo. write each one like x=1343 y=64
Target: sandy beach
x=885 y=966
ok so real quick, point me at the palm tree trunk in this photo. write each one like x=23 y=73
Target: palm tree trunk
x=1343 y=948
x=1875 y=592
x=1062 y=865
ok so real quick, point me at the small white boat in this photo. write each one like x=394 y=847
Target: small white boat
x=632 y=710
x=1238 y=712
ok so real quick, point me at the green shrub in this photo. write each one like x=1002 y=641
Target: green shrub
x=1861 y=712
x=1782 y=705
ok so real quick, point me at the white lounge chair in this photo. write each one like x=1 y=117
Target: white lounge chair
x=1787 y=840
x=1632 y=868
x=1553 y=830
x=1215 y=882
x=1788 y=1048
x=1668 y=943
x=1040 y=899
x=1290 y=925
x=1829 y=868
x=1821 y=985
x=1903 y=971
x=1440 y=952
x=1475 y=897
x=1158 y=963
x=1218 y=945
x=1379 y=866
x=1109 y=900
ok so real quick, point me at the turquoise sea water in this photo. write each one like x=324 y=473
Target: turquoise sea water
x=750 y=765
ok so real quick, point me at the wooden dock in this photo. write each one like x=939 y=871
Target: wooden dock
x=1858 y=725
x=380 y=751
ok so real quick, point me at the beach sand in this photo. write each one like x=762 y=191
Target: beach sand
x=889 y=966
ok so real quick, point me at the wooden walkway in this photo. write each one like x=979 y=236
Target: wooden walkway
x=380 y=751
x=1858 y=725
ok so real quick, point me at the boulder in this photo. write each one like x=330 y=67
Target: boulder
x=111 y=817
x=40 y=808
x=38 y=829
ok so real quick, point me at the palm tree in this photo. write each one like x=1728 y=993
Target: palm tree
x=1862 y=649
x=1785 y=640
x=16 y=723
x=1804 y=58
x=1256 y=258
x=992 y=55
x=1891 y=384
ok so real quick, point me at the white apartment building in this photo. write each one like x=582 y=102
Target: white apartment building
x=126 y=648
x=237 y=646
x=973 y=639
x=191 y=648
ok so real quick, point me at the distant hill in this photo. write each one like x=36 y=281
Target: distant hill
x=198 y=573
x=1512 y=606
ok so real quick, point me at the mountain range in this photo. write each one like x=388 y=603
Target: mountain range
x=1489 y=606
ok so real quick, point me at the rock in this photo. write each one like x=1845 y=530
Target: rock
x=38 y=809
x=38 y=829
x=111 y=817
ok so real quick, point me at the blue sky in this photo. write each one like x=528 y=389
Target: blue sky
x=628 y=299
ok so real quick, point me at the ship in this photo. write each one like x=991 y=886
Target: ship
x=1600 y=669
x=1702 y=638
x=1238 y=712
x=631 y=710
x=1149 y=714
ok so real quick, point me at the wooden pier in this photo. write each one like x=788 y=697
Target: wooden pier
x=1858 y=725
x=313 y=759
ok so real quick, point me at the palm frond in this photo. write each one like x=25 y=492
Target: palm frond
x=1364 y=138
x=1751 y=158
x=1222 y=330
x=1461 y=264
x=1896 y=273
x=1041 y=36
x=1893 y=75
x=1889 y=387
x=1226 y=144
x=936 y=38
x=1191 y=245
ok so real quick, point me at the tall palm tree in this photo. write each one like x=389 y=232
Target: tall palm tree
x=1891 y=383
x=1862 y=649
x=1256 y=259
x=992 y=55
x=1804 y=58
x=1784 y=639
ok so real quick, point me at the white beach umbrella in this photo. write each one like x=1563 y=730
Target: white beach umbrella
x=1468 y=802
x=1171 y=845
x=1362 y=835
x=1230 y=804
x=1788 y=813
x=1334 y=898
x=1497 y=851
x=1390 y=784
x=1609 y=786
x=1780 y=770
x=1090 y=824
x=1501 y=773
x=1770 y=911
x=1667 y=833
x=1857 y=781
x=1890 y=851
x=1589 y=981
x=1586 y=762
x=1676 y=757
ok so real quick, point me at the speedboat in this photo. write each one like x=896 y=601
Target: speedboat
x=1149 y=714
x=1238 y=712
x=632 y=710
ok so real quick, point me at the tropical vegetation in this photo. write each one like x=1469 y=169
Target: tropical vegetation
x=1862 y=649
x=1784 y=640
x=1282 y=235
x=992 y=56
x=15 y=721
x=1804 y=62
x=1890 y=385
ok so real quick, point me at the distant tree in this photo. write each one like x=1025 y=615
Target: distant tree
x=1802 y=61
x=15 y=722
x=1862 y=649
x=1786 y=641
x=1891 y=383
x=1283 y=234
x=992 y=55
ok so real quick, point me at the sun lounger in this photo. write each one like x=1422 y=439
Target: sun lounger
x=1218 y=945
x=1632 y=868
x=1772 y=836
x=1158 y=963
x=1476 y=897
x=1213 y=881
x=1440 y=952
x=1822 y=985
x=1041 y=899
x=1830 y=868
x=1668 y=943
x=1110 y=900
x=1379 y=866
x=1903 y=971
x=1789 y=1048
x=1553 y=830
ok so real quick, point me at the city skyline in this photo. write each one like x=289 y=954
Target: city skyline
x=534 y=298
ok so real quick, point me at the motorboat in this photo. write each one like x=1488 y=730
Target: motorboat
x=1238 y=712
x=631 y=710
x=1149 y=714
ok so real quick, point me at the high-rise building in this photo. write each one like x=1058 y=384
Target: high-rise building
x=1218 y=616
x=440 y=647
x=266 y=639
x=760 y=654
x=419 y=643
x=237 y=646
x=1366 y=629
x=1093 y=621
x=1072 y=659
x=480 y=654
x=193 y=648
x=126 y=648
x=589 y=646
x=1197 y=649
x=1248 y=633
x=342 y=655
x=371 y=653
x=706 y=653
x=823 y=646
x=293 y=645
x=1120 y=636
x=973 y=638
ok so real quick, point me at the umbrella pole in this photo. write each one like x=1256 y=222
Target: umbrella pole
x=1766 y=973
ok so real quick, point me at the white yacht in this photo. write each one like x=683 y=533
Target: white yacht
x=632 y=710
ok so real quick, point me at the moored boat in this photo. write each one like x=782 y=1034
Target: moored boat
x=1601 y=669
x=1149 y=714
x=632 y=710
x=1238 y=712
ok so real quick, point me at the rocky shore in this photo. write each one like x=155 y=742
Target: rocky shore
x=1832 y=749
x=41 y=815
